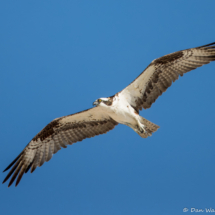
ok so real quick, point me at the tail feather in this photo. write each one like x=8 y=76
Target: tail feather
x=149 y=127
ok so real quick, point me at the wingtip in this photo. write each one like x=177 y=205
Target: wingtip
x=210 y=44
x=5 y=170
x=8 y=184
x=11 y=182
x=4 y=181
x=12 y=163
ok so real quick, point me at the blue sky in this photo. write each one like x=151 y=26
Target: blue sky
x=57 y=57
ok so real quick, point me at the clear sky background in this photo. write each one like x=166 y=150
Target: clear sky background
x=57 y=57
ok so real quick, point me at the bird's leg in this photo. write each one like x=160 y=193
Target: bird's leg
x=141 y=127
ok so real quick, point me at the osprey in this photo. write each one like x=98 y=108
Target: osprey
x=122 y=108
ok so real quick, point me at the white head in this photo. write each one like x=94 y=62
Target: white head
x=103 y=101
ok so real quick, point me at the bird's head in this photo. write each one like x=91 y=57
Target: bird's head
x=103 y=101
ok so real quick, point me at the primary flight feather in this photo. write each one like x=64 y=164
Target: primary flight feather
x=122 y=108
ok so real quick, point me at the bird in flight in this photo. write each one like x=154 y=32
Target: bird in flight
x=122 y=108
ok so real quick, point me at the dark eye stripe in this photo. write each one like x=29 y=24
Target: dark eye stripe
x=108 y=102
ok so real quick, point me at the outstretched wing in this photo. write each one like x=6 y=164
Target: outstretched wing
x=158 y=76
x=59 y=133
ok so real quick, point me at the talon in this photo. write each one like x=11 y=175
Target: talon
x=142 y=129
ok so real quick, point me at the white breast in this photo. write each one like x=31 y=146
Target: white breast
x=122 y=112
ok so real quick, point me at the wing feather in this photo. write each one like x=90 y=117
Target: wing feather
x=41 y=158
x=30 y=165
x=15 y=174
x=35 y=160
x=160 y=74
x=22 y=171
x=56 y=135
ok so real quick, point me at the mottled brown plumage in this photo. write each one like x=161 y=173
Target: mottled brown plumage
x=56 y=135
x=160 y=74
x=47 y=131
x=123 y=108
x=169 y=58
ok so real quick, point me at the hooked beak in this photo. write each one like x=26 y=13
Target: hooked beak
x=95 y=103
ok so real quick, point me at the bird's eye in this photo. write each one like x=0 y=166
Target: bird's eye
x=99 y=100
